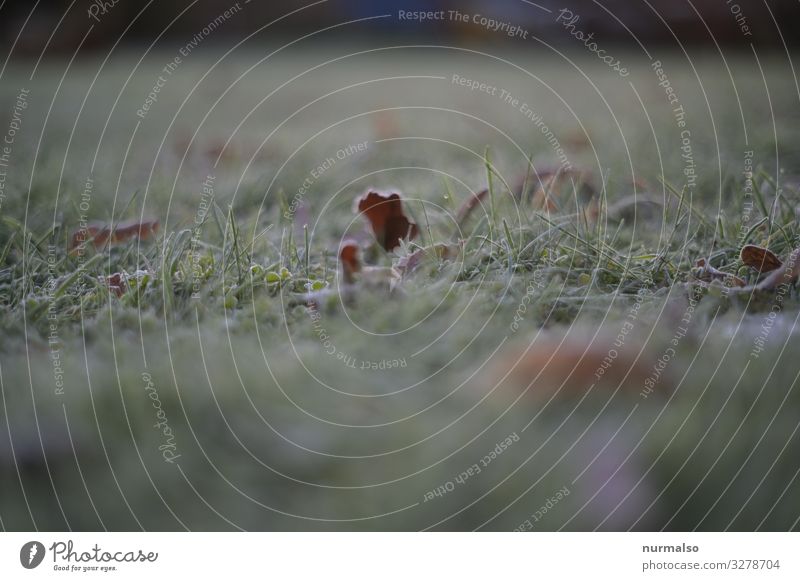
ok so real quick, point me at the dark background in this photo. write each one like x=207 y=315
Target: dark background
x=140 y=22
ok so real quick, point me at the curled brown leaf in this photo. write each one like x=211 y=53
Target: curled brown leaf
x=786 y=274
x=761 y=259
x=117 y=283
x=100 y=234
x=386 y=217
x=349 y=259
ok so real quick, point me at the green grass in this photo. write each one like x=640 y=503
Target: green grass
x=273 y=431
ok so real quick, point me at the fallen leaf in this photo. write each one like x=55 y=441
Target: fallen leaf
x=636 y=207
x=542 y=198
x=349 y=259
x=217 y=150
x=575 y=363
x=577 y=140
x=212 y=149
x=99 y=234
x=761 y=259
x=387 y=219
x=88 y=234
x=116 y=283
x=560 y=184
x=706 y=272
x=786 y=274
x=127 y=230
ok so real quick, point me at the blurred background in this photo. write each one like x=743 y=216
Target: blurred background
x=690 y=22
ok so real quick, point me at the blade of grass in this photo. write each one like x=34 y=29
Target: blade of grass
x=680 y=196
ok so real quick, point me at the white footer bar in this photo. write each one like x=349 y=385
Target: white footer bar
x=402 y=556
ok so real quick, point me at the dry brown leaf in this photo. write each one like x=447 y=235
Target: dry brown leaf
x=217 y=149
x=708 y=273
x=575 y=363
x=558 y=185
x=99 y=234
x=761 y=259
x=127 y=230
x=635 y=207
x=349 y=258
x=116 y=283
x=577 y=140
x=88 y=234
x=544 y=198
x=387 y=219
x=212 y=149
x=786 y=274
